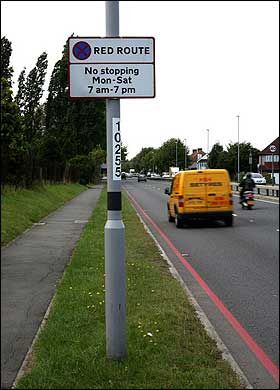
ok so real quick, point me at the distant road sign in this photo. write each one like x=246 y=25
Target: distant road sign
x=111 y=67
x=272 y=148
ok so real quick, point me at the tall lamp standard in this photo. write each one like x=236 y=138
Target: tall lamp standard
x=176 y=152
x=250 y=160
x=185 y=142
x=238 y=166
x=207 y=141
x=207 y=146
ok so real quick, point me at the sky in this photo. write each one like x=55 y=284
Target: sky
x=214 y=60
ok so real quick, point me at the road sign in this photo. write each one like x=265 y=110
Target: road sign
x=112 y=50
x=114 y=80
x=111 y=68
x=272 y=148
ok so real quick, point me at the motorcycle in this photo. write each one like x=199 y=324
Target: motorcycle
x=247 y=200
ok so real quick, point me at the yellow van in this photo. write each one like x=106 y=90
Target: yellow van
x=200 y=194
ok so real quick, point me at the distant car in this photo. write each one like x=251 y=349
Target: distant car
x=257 y=177
x=142 y=177
x=165 y=175
x=155 y=176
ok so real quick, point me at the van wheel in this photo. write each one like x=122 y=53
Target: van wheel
x=170 y=218
x=178 y=221
x=229 y=221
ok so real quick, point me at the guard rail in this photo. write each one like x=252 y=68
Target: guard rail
x=265 y=190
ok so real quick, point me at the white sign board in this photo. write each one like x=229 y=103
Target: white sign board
x=111 y=68
x=114 y=80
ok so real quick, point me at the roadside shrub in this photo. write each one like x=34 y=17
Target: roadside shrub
x=85 y=165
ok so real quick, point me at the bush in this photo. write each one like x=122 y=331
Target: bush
x=267 y=177
x=85 y=165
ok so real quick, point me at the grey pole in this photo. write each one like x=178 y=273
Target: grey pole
x=250 y=160
x=238 y=166
x=207 y=141
x=114 y=232
x=207 y=146
x=272 y=170
x=176 y=152
x=185 y=141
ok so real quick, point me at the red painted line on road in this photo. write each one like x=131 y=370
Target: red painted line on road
x=254 y=347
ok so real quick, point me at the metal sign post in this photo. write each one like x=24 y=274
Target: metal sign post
x=115 y=295
x=112 y=68
x=273 y=150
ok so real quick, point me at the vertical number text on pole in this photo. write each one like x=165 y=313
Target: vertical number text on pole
x=116 y=149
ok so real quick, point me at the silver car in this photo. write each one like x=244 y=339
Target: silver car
x=142 y=177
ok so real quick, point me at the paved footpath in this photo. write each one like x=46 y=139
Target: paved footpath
x=31 y=266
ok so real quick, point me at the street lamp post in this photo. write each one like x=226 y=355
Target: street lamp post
x=250 y=160
x=207 y=141
x=207 y=146
x=272 y=169
x=238 y=166
x=176 y=152
x=114 y=231
x=185 y=142
x=273 y=150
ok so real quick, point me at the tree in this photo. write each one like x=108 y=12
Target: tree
x=6 y=69
x=144 y=160
x=167 y=154
x=98 y=156
x=20 y=97
x=231 y=158
x=216 y=156
x=12 y=144
x=73 y=127
x=29 y=95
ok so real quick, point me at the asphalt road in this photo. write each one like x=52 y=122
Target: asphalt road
x=239 y=266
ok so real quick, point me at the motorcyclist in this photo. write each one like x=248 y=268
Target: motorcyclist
x=246 y=184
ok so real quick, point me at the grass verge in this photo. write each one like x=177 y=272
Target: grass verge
x=21 y=208
x=168 y=347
